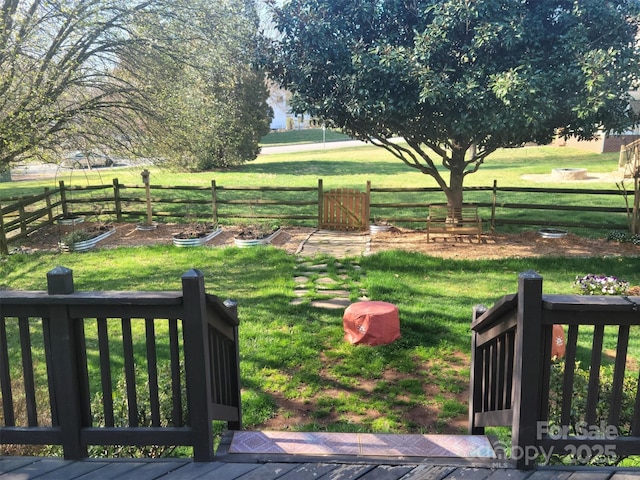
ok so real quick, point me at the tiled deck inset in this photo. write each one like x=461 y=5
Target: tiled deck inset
x=362 y=444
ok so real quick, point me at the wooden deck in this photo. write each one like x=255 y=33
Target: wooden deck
x=43 y=468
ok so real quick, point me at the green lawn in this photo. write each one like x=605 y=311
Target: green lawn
x=345 y=167
x=294 y=358
x=307 y=135
x=296 y=367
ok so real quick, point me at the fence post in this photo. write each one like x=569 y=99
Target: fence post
x=493 y=206
x=63 y=199
x=4 y=245
x=64 y=370
x=527 y=375
x=367 y=216
x=214 y=202
x=197 y=364
x=47 y=199
x=320 y=203
x=116 y=199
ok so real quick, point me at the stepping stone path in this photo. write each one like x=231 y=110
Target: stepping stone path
x=324 y=285
x=336 y=244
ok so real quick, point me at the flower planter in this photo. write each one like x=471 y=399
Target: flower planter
x=373 y=229
x=85 y=245
x=71 y=220
x=552 y=233
x=146 y=227
x=195 y=241
x=255 y=242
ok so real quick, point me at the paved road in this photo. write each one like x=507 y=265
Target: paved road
x=308 y=147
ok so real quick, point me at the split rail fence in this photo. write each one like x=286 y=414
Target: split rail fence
x=498 y=206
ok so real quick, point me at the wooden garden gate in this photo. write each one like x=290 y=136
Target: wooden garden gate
x=344 y=209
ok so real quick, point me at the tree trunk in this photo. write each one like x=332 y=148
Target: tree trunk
x=454 y=193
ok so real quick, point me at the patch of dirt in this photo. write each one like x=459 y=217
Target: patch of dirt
x=423 y=417
x=526 y=244
x=127 y=235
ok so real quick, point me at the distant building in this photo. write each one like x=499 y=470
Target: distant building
x=604 y=143
x=608 y=142
x=283 y=119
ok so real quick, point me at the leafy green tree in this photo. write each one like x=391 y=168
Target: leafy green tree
x=457 y=79
x=210 y=98
x=94 y=75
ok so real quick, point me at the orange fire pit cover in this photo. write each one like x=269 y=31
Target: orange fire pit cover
x=371 y=323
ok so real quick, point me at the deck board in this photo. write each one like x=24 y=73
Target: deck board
x=323 y=468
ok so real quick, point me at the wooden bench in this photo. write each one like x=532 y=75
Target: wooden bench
x=454 y=221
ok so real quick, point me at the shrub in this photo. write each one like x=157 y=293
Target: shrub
x=579 y=405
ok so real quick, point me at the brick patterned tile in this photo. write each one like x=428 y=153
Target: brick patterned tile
x=465 y=446
x=307 y=443
x=320 y=443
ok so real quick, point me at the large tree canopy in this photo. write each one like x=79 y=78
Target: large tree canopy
x=458 y=79
x=141 y=76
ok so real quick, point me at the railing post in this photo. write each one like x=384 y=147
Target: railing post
x=237 y=425
x=197 y=364
x=527 y=381
x=64 y=370
x=475 y=394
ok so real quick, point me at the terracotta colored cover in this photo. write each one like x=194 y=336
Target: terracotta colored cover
x=558 y=347
x=371 y=323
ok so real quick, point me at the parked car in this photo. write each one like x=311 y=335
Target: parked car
x=79 y=159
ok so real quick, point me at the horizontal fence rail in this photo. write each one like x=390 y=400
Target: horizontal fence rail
x=498 y=206
x=79 y=369
x=584 y=406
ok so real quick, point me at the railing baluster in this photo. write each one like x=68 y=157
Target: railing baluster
x=152 y=371
x=508 y=391
x=176 y=390
x=569 y=373
x=635 y=422
x=486 y=378
x=594 y=375
x=27 y=372
x=129 y=372
x=53 y=402
x=83 y=373
x=500 y=367
x=105 y=372
x=5 y=377
x=493 y=374
x=618 y=375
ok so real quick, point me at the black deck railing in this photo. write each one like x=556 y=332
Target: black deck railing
x=513 y=370
x=118 y=368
